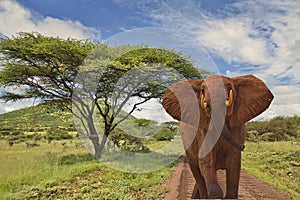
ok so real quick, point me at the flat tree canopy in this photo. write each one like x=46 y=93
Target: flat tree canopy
x=69 y=71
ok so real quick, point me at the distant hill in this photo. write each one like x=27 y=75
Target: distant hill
x=49 y=122
x=36 y=118
x=42 y=117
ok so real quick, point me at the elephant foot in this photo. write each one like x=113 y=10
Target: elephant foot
x=215 y=191
x=232 y=194
x=196 y=193
x=199 y=193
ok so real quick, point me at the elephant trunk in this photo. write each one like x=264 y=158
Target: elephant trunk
x=230 y=139
x=219 y=124
x=216 y=100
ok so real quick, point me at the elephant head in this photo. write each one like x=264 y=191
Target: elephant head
x=218 y=100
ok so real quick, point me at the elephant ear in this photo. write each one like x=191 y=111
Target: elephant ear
x=181 y=101
x=253 y=98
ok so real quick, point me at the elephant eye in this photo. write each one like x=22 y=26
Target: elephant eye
x=229 y=88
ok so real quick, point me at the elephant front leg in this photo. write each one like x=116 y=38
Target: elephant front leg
x=199 y=191
x=208 y=170
x=196 y=192
x=233 y=177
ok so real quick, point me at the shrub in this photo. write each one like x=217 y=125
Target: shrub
x=143 y=122
x=127 y=142
x=15 y=139
x=165 y=134
x=252 y=136
x=276 y=129
x=55 y=133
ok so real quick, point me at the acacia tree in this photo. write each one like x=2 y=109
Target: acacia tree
x=91 y=77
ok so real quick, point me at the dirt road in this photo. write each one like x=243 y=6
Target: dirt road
x=182 y=182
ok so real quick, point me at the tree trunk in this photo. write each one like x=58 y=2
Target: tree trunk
x=98 y=147
x=95 y=140
x=99 y=151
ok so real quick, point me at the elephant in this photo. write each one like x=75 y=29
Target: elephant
x=211 y=114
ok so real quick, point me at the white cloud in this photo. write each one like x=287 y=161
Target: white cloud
x=281 y=110
x=230 y=40
x=152 y=109
x=8 y=109
x=230 y=73
x=262 y=37
x=263 y=33
x=11 y=106
x=286 y=95
x=15 y=18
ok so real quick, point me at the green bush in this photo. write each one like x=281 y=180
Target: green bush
x=276 y=129
x=127 y=142
x=165 y=134
x=143 y=122
x=252 y=136
x=55 y=133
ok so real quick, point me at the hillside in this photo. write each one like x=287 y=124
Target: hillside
x=36 y=118
x=49 y=122
x=42 y=117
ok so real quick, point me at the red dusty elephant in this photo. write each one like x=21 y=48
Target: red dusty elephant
x=212 y=115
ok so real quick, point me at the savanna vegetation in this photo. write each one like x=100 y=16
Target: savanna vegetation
x=276 y=163
x=34 y=168
x=41 y=156
x=64 y=169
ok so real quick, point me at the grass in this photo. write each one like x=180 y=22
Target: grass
x=68 y=172
x=276 y=163
x=64 y=170
x=21 y=166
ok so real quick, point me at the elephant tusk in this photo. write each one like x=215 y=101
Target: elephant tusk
x=228 y=102
x=202 y=102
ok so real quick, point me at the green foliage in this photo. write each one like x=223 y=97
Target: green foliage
x=168 y=58
x=143 y=122
x=172 y=125
x=167 y=131
x=15 y=139
x=127 y=142
x=277 y=129
x=48 y=122
x=55 y=133
x=164 y=134
x=45 y=67
x=276 y=163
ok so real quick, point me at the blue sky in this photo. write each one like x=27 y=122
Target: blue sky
x=241 y=37
x=105 y=15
